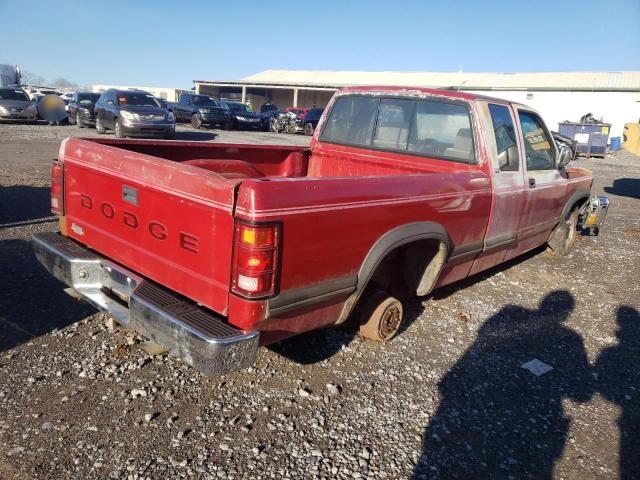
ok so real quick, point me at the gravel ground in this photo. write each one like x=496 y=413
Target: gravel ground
x=447 y=398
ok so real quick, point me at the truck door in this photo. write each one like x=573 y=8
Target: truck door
x=545 y=185
x=183 y=109
x=508 y=184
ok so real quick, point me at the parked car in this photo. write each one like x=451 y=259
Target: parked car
x=35 y=93
x=311 y=119
x=81 y=109
x=214 y=249
x=243 y=117
x=298 y=112
x=133 y=113
x=202 y=110
x=15 y=104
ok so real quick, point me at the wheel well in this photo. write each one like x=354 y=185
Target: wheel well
x=410 y=269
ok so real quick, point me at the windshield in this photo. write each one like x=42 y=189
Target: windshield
x=137 y=99
x=205 y=101
x=88 y=97
x=10 y=94
x=239 y=107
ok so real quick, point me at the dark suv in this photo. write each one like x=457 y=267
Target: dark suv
x=133 y=113
x=82 y=109
x=202 y=110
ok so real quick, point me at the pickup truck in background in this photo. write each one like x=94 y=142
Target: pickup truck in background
x=213 y=249
x=202 y=110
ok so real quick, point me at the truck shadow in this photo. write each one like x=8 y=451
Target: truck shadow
x=415 y=306
x=19 y=203
x=194 y=135
x=32 y=303
x=319 y=345
x=313 y=347
x=625 y=187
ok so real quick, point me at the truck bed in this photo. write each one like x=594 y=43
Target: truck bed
x=165 y=209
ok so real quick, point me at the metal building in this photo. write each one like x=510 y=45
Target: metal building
x=559 y=96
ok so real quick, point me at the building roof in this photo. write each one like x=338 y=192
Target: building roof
x=586 y=81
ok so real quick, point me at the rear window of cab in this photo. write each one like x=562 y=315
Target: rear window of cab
x=424 y=127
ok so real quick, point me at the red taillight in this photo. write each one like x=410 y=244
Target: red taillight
x=255 y=260
x=57 y=188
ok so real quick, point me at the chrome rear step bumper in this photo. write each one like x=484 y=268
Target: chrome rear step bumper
x=193 y=334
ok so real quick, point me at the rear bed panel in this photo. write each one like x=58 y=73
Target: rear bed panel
x=169 y=222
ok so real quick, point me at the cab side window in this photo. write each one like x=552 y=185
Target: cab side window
x=538 y=146
x=351 y=121
x=442 y=130
x=394 y=121
x=505 y=134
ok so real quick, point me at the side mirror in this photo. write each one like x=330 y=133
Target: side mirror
x=565 y=155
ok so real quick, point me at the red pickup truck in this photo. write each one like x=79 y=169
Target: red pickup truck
x=213 y=249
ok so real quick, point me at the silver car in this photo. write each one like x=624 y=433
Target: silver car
x=16 y=105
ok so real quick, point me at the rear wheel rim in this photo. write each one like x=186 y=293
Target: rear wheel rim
x=390 y=321
x=117 y=128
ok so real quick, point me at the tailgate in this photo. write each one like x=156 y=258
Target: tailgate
x=169 y=222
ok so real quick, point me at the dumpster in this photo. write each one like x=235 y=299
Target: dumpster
x=591 y=138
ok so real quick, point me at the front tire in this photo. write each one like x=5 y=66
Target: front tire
x=196 y=122
x=564 y=235
x=381 y=317
x=72 y=119
x=77 y=121
x=118 y=129
x=100 y=127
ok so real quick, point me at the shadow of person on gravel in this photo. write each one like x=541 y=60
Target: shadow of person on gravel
x=32 y=302
x=619 y=383
x=625 y=187
x=497 y=419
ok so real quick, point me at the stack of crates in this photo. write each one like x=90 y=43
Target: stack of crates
x=591 y=138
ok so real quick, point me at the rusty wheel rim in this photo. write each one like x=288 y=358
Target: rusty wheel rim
x=390 y=321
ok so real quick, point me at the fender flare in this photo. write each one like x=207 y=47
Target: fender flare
x=576 y=197
x=388 y=242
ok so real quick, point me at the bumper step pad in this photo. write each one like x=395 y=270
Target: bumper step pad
x=197 y=336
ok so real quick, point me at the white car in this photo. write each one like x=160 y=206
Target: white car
x=35 y=93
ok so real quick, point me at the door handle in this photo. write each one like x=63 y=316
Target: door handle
x=532 y=183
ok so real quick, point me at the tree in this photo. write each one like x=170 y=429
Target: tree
x=30 y=78
x=64 y=83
